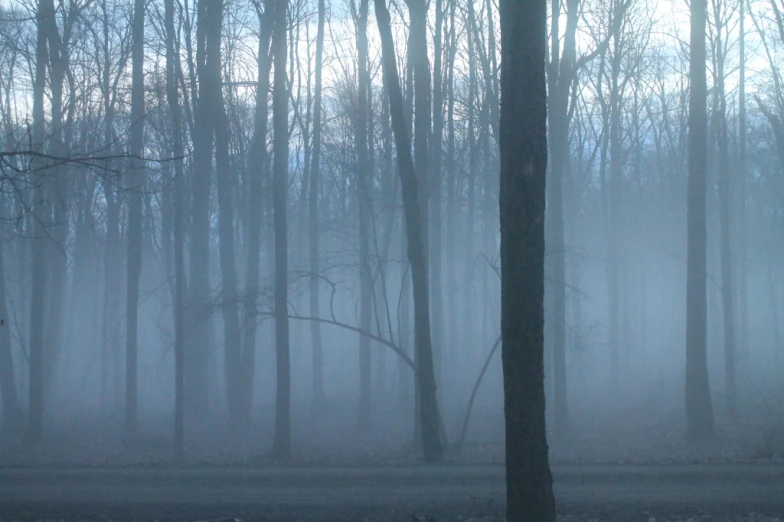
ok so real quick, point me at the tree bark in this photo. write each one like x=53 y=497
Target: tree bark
x=523 y=148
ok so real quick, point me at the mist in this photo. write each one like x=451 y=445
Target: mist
x=235 y=235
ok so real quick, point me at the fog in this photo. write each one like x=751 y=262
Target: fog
x=70 y=183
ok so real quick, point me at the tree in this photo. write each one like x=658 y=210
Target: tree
x=280 y=122
x=172 y=97
x=39 y=275
x=432 y=445
x=313 y=193
x=523 y=147
x=363 y=200
x=699 y=410
x=256 y=172
x=719 y=42
x=197 y=351
x=135 y=186
x=13 y=417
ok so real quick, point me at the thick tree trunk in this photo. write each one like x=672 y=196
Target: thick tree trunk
x=282 y=443
x=699 y=410
x=523 y=146
x=431 y=438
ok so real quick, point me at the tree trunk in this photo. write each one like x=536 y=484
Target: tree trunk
x=12 y=412
x=741 y=262
x=699 y=410
x=172 y=97
x=315 y=328
x=39 y=275
x=282 y=443
x=436 y=154
x=523 y=147
x=613 y=253
x=728 y=308
x=135 y=187
x=58 y=191
x=196 y=363
x=258 y=159
x=364 y=196
x=431 y=438
x=451 y=206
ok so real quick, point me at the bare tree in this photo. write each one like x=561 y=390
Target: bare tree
x=280 y=95
x=699 y=410
x=172 y=96
x=432 y=445
x=523 y=145
x=135 y=184
x=35 y=404
x=313 y=194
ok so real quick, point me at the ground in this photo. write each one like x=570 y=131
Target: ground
x=623 y=492
x=638 y=469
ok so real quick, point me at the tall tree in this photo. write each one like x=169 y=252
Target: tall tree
x=39 y=275
x=523 y=148
x=435 y=212
x=197 y=351
x=432 y=445
x=172 y=97
x=280 y=123
x=699 y=410
x=363 y=200
x=313 y=193
x=256 y=172
x=720 y=25
x=135 y=186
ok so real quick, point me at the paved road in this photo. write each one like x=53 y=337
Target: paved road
x=380 y=493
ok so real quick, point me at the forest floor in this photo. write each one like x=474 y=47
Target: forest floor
x=617 y=493
x=640 y=469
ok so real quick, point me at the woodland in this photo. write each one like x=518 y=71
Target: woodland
x=270 y=230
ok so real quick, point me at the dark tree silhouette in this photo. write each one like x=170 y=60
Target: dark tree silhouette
x=523 y=148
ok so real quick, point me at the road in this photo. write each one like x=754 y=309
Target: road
x=378 y=493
